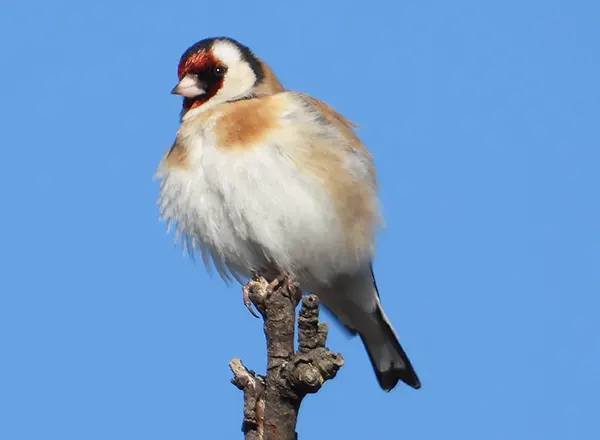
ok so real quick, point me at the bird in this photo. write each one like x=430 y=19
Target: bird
x=261 y=177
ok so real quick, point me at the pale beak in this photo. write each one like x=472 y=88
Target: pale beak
x=189 y=87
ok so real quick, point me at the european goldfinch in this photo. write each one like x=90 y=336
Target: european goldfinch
x=263 y=178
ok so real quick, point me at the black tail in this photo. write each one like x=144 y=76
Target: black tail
x=388 y=358
x=354 y=300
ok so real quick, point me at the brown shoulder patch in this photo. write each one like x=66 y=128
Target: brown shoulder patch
x=344 y=125
x=245 y=123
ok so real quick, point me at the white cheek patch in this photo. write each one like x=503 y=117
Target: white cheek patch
x=240 y=78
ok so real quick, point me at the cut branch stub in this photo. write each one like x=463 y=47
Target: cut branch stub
x=253 y=387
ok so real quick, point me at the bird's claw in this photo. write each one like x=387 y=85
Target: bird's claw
x=247 y=301
x=258 y=286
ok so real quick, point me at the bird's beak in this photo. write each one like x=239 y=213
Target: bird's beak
x=189 y=86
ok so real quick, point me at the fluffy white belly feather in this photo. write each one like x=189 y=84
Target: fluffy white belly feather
x=254 y=208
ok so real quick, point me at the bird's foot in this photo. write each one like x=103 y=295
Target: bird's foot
x=255 y=285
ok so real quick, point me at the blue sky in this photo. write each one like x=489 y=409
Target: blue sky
x=484 y=121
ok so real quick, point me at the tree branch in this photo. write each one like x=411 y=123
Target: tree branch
x=271 y=404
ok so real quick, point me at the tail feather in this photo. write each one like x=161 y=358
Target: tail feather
x=354 y=300
x=387 y=356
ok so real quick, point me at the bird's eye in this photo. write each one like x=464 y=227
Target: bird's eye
x=220 y=70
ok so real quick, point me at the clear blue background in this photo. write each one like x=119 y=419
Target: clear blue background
x=484 y=121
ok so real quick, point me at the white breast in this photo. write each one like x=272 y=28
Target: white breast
x=247 y=208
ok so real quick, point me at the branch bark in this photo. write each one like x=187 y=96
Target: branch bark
x=271 y=403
